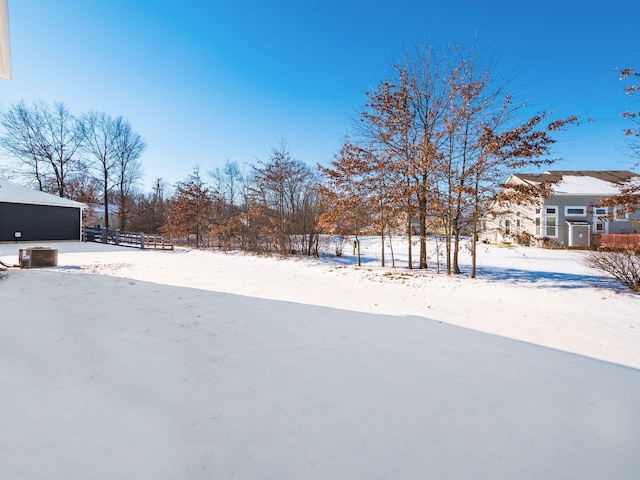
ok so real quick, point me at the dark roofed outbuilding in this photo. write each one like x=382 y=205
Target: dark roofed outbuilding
x=30 y=215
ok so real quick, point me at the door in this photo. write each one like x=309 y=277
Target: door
x=579 y=235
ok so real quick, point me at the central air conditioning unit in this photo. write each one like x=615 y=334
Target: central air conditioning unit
x=32 y=257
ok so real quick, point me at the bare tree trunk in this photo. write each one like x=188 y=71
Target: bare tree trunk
x=447 y=239
x=474 y=226
x=438 y=246
x=105 y=198
x=393 y=259
x=409 y=246
x=456 y=249
x=423 y=233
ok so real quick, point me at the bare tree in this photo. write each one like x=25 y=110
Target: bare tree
x=100 y=144
x=229 y=182
x=127 y=169
x=64 y=138
x=20 y=140
x=46 y=142
x=629 y=197
x=149 y=211
x=623 y=265
x=632 y=133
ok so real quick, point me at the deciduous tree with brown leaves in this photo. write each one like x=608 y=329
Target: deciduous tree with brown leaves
x=189 y=212
x=346 y=195
x=436 y=141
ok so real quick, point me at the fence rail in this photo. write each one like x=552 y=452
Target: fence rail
x=127 y=239
x=617 y=241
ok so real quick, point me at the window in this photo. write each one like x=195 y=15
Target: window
x=620 y=213
x=601 y=220
x=551 y=227
x=600 y=211
x=551 y=222
x=575 y=211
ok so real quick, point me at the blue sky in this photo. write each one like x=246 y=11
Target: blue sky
x=207 y=81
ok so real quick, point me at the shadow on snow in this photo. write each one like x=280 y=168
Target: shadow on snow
x=547 y=279
x=542 y=279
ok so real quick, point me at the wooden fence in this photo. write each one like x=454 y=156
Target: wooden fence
x=617 y=241
x=127 y=239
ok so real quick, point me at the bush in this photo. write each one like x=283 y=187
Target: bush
x=622 y=265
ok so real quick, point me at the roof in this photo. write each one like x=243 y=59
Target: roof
x=582 y=182
x=99 y=208
x=14 y=193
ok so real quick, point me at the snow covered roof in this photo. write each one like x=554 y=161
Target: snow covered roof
x=99 y=208
x=14 y=193
x=583 y=182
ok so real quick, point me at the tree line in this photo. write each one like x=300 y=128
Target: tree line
x=270 y=207
x=93 y=158
x=433 y=144
x=429 y=153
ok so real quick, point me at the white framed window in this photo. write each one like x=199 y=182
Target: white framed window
x=600 y=211
x=601 y=220
x=620 y=213
x=575 y=211
x=550 y=223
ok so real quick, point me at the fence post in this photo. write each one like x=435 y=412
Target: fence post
x=142 y=240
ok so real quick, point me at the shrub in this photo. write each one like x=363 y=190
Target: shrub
x=623 y=265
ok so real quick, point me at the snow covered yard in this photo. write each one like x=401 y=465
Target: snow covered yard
x=122 y=363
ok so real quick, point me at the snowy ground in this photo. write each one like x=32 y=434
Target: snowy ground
x=131 y=364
